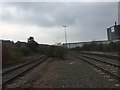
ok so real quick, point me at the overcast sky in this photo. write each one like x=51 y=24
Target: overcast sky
x=86 y=21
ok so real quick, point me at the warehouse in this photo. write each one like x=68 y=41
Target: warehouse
x=113 y=33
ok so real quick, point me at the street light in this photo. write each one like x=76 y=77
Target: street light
x=65 y=35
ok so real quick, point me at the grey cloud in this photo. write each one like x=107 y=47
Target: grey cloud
x=61 y=13
x=34 y=13
x=90 y=19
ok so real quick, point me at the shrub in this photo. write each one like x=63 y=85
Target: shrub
x=26 y=51
x=55 y=51
x=16 y=54
x=111 y=47
x=6 y=55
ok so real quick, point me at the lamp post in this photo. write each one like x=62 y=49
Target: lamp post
x=65 y=36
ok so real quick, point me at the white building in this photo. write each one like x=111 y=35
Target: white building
x=80 y=44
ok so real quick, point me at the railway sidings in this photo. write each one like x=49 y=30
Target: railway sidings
x=76 y=70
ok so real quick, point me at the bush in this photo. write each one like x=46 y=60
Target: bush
x=17 y=54
x=26 y=51
x=55 y=51
x=111 y=47
x=42 y=48
x=6 y=55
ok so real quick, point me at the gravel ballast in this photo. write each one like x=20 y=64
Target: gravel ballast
x=70 y=72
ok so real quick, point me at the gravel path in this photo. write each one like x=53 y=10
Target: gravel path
x=69 y=73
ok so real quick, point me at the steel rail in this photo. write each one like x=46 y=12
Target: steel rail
x=106 y=71
x=19 y=66
x=22 y=72
x=112 y=64
x=103 y=55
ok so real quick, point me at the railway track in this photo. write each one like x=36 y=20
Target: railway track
x=111 y=59
x=10 y=75
x=103 y=60
x=107 y=67
x=101 y=55
x=7 y=70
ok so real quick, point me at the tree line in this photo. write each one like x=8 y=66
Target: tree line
x=15 y=52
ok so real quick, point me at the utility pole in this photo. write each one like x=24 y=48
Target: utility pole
x=65 y=36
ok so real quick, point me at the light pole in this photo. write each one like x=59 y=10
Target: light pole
x=65 y=36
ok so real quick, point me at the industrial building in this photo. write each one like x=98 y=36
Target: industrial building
x=113 y=33
x=80 y=44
